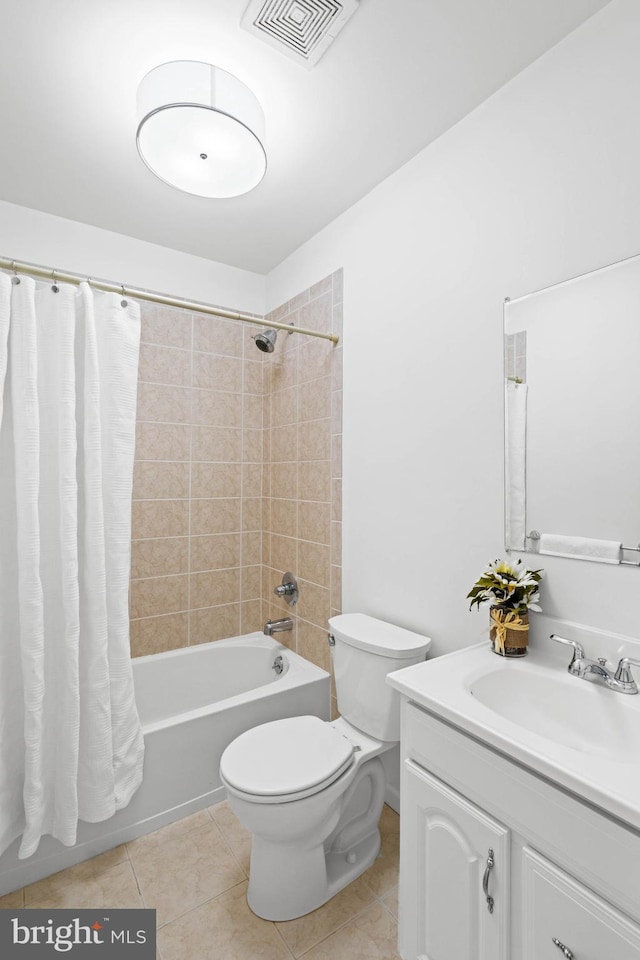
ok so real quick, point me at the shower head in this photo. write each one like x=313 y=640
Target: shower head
x=266 y=340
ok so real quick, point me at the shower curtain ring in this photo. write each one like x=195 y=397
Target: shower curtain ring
x=15 y=278
x=55 y=286
x=123 y=302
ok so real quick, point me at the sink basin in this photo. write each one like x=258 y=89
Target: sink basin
x=582 y=736
x=564 y=709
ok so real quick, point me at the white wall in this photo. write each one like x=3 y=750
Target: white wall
x=36 y=237
x=539 y=184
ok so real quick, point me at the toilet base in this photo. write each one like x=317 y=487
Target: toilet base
x=341 y=871
x=290 y=878
x=290 y=886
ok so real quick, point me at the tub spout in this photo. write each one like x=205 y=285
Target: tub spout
x=277 y=626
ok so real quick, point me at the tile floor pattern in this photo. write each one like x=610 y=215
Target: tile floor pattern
x=194 y=873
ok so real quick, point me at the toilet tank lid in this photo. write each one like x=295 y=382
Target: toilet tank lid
x=378 y=636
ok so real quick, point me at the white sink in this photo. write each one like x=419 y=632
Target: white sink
x=581 y=735
x=564 y=709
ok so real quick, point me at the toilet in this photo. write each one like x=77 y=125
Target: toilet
x=311 y=791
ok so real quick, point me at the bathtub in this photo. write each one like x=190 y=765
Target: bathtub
x=192 y=703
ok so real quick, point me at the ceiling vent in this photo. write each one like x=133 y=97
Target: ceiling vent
x=302 y=29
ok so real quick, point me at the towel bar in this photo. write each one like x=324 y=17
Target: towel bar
x=535 y=536
x=630 y=563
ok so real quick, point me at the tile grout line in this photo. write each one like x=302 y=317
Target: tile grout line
x=286 y=945
x=135 y=877
x=266 y=493
x=199 y=906
x=235 y=858
x=295 y=353
x=192 y=325
x=69 y=882
x=341 y=926
x=242 y=464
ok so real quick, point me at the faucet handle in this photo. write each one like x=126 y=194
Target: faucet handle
x=284 y=590
x=288 y=589
x=578 y=649
x=623 y=673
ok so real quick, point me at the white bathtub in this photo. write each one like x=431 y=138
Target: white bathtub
x=192 y=703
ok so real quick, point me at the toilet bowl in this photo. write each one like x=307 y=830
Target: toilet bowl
x=310 y=791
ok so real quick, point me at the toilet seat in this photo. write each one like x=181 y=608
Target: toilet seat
x=286 y=760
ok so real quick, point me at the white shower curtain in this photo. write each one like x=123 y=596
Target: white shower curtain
x=71 y=746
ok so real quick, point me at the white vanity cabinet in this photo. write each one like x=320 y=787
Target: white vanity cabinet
x=564 y=877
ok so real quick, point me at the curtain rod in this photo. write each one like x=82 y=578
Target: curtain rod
x=49 y=273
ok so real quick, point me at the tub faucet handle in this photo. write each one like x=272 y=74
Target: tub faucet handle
x=284 y=590
x=288 y=589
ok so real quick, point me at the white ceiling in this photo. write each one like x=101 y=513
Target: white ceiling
x=400 y=74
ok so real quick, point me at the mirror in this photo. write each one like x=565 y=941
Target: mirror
x=572 y=417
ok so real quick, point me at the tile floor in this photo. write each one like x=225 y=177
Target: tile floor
x=194 y=873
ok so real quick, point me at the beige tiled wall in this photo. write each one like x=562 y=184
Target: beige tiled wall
x=237 y=476
x=197 y=508
x=303 y=468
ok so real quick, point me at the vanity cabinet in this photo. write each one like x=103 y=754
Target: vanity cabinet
x=564 y=877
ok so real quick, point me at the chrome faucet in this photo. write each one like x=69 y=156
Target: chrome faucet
x=597 y=671
x=288 y=589
x=277 y=626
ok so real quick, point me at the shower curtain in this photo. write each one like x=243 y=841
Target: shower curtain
x=71 y=746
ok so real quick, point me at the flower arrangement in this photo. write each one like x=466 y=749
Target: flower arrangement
x=507 y=585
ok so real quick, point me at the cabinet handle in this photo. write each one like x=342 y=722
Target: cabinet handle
x=565 y=950
x=485 y=880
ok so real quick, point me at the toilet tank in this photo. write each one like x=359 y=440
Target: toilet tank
x=364 y=652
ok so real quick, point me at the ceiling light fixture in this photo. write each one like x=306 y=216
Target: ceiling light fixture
x=200 y=129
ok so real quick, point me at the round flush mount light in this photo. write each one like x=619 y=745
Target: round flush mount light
x=200 y=129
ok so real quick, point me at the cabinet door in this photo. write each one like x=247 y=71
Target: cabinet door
x=446 y=848
x=558 y=912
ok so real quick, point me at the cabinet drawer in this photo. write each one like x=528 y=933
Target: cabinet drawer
x=558 y=911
